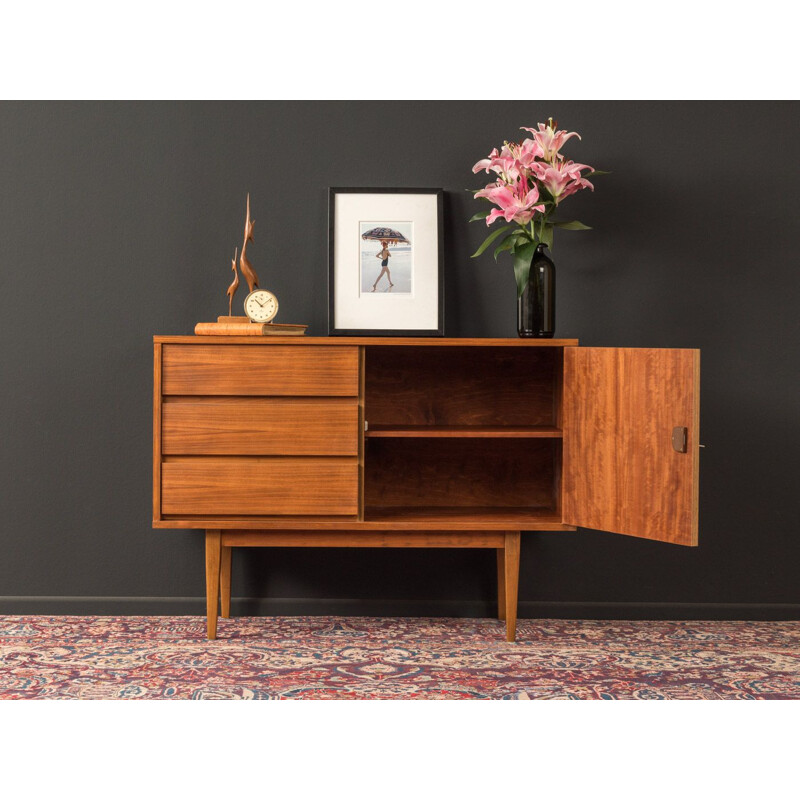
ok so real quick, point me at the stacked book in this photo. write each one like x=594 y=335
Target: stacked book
x=242 y=326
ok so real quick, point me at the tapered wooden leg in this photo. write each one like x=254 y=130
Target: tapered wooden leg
x=225 y=582
x=501 y=583
x=511 y=570
x=213 y=554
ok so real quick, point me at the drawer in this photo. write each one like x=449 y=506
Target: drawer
x=259 y=486
x=260 y=426
x=231 y=369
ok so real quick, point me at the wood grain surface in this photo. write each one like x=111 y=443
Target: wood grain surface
x=225 y=582
x=511 y=578
x=361 y=426
x=621 y=473
x=362 y=538
x=501 y=581
x=156 y=432
x=460 y=472
x=240 y=370
x=231 y=290
x=467 y=517
x=250 y=486
x=213 y=555
x=504 y=386
x=244 y=262
x=462 y=432
x=383 y=519
x=260 y=426
x=383 y=341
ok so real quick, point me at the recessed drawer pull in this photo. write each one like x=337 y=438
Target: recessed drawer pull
x=679 y=439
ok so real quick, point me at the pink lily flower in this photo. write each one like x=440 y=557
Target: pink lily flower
x=486 y=163
x=517 y=203
x=528 y=152
x=562 y=178
x=550 y=141
x=503 y=163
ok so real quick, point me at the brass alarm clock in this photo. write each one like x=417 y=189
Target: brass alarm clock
x=261 y=305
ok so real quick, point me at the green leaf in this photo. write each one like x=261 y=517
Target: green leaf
x=489 y=239
x=480 y=215
x=595 y=173
x=547 y=235
x=509 y=243
x=574 y=225
x=523 y=256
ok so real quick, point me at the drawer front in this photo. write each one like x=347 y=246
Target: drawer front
x=259 y=370
x=259 y=487
x=260 y=426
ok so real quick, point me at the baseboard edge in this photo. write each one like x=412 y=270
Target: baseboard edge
x=292 y=606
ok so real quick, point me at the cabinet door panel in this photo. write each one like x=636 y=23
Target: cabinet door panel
x=621 y=470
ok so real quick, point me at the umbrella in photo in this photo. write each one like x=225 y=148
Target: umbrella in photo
x=389 y=235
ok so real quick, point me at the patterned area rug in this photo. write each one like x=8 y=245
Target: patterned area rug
x=273 y=658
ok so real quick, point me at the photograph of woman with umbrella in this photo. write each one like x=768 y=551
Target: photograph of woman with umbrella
x=396 y=237
x=384 y=255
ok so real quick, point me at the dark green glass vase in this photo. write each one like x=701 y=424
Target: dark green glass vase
x=536 y=309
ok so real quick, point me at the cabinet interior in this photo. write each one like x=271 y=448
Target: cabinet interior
x=460 y=386
x=462 y=431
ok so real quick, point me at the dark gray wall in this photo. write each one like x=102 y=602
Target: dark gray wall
x=118 y=221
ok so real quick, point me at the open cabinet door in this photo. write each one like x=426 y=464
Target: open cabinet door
x=630 y=422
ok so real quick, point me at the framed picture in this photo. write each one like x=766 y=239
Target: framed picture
x=386 y=264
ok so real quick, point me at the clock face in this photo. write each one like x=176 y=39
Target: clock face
x=261 y=305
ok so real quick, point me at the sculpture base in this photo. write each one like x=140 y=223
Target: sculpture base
x=233 y=320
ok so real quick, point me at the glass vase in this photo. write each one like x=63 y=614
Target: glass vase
x=536 y=308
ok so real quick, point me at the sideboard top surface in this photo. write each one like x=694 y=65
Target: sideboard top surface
x=383 y=341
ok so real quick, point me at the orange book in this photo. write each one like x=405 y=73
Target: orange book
x=247 y=329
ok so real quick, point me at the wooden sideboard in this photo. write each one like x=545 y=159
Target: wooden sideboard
x=416 y=442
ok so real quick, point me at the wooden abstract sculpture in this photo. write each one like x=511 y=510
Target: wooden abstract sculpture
x=235 y=285
x=244 y=265
x=244 y=325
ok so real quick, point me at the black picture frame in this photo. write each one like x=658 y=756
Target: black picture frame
x=333 y=329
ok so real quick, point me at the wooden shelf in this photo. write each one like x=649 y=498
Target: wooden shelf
x=515 y=518
x=463 y=432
